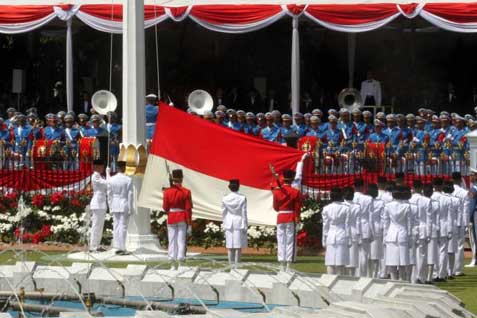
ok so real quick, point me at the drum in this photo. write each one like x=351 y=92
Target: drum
x=40 y=149
x=88 y=149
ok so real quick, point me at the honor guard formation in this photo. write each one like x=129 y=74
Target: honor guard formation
x=388 y=230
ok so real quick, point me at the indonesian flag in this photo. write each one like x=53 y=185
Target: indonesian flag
x=210 y=155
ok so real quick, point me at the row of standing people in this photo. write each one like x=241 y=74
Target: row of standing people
x=415 y=236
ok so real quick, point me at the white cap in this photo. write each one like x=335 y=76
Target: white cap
x=152 y=96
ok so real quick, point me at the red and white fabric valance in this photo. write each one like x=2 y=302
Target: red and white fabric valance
x=245 y=15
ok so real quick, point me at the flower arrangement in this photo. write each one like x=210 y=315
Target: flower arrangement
x=58 y=216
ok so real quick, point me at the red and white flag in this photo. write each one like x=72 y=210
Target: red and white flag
x=210 y=155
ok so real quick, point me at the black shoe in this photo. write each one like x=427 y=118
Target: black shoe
x=439 y=280
x=418 y=281
x=101 y=249
x=450 y=277
x=119 y=252
x=428 y=282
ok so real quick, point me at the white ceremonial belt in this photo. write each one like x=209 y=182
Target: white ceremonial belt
x=176 y=210
x=285 y=212
x=150 y=124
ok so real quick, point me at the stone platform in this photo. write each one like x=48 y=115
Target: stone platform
x=307 y=296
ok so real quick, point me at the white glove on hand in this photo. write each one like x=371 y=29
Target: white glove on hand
x=108 y=172
x=305 y=155
x=189 y=230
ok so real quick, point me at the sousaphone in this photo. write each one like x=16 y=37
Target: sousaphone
x=350 y=98
x=103 y=102
x=200 y=101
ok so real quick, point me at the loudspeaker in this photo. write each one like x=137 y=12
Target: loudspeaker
x=17 y=81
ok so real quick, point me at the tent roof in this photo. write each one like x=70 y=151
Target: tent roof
x=182 y=3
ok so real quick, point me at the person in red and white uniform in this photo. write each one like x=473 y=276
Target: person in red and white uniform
x=177 y=203
x=287 y=201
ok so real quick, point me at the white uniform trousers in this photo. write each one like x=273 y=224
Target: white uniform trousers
x=120 y=227
x=286 y=242
x=364 y=253
x=420 y=270
x=441 y=271
x=459 y=256
x=97 y=224
x=177 y=234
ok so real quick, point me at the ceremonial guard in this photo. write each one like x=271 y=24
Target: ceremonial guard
x=234 y=222
x=177 y=203
x=424 y=229
x=233 y=123
x=249 y=126
x=376 y=248
x=53 y=132
x=23 y=139
x=336 y=233
x=299 y=127
x=72 y=136
x=473 y=217
x=83 y=125
x=397 y=233
x=464 y=218
x=287 y=201
x=371 y=91
x=378 y=136
x=444 y=218
x=96 y=129
x=270 y=132
x=455 y=212
x=286 y=128
x=114 y=130
x=120 y=200
x=314 y=129
x=152 y=111
x=98 y=205
x=367 y=226
x=355 y=228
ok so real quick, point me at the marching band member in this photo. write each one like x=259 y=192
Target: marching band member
x=286 y=128
x=336 y=233
x=455 y=211
x=23 y=140
x=287 y=201
x=270 y=132
x=397 y=232
x=299 y=127
x=177 y=203
x=424 y=229
x=234 y=222
x=367 y=226
x=98 y=205
x=152 y=111
x=376 y=248
x=355 y=231
x=445 y=229
x=120 y=200
x=72 y=136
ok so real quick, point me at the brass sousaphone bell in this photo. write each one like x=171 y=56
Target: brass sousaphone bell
x=350 y=98
x=103 y=102
x=200 y=101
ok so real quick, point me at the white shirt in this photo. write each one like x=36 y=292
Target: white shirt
x=354 y=220
x=234 y=212
x=100 y=188
x=366 y=204
x=424 y=217
x=336 y=229
x=444 y=216
x=371 y=88
x=397 y=222
x=120 y=194
x=464 y=210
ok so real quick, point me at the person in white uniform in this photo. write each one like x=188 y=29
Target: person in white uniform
x=120 y=199
x=464 y=217
x=433 y=241
x=376 y=248
x=355 y=228
x=397 y=232
x=336 y=233
x=371 y=91
x=455 y=211
x=98 y=206
x=473 y=217
x=445 y=229
x=234 y=222
x=367 y=227
x=424 y=218
x=414 y=236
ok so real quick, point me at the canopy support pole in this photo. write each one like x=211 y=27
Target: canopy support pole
x=295 y=68
x=351 y=58
x=69 y=66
